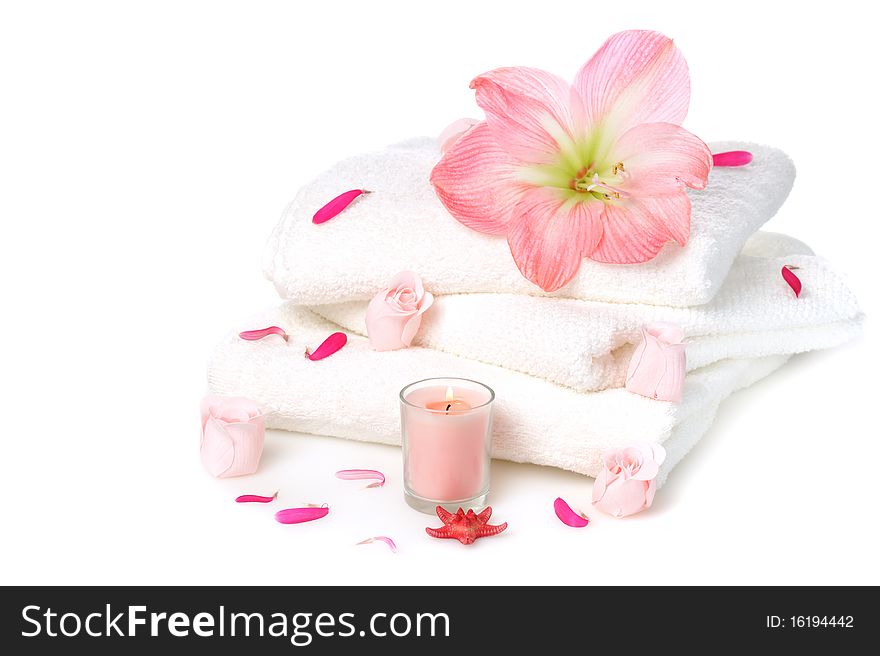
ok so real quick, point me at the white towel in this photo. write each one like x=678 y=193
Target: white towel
x=587 y=345
x=403 y=226
x=354 y=394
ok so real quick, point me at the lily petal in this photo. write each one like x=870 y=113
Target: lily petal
x=476 y=182
x=636 y=77
x=550 y=235
x=636 y=230
x=660 y=158
x=532 y=114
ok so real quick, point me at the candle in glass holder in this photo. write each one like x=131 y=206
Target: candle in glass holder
x=446 y=428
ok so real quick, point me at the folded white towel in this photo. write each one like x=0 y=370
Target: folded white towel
x=587 y=345
x=403 y=226
x=354 y=394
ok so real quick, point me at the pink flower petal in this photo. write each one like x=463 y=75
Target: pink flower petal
x=793 y=281
x=660 y=158
x=550 y=236
x=636 y=230
x=636 y=77
x=335 y=206
x=381 y=538
x=255 y=498
x=568 y=516
x=476 y=182
x=624 y=497
x=328 y=347
x=602 y=480
x=732 y=158
x=454 y=131
x=217 y=448
x=300 y=515
x=362 y=474
x=252 y=335
x=531 y=113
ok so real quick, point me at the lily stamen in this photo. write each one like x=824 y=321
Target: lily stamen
x=597 y=184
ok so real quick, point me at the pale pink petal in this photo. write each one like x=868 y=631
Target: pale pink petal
x=207 y=407
x=550 y=235
x=623 y=497
x=667 y=333
x=600 y=484
x=217 y=448
x=476 y=182
x=408 y=279
x=532 y=114
x=360 y=474
x=647 y=471
x=635 y=230
x=410 y=328
x=636 y=77
x=658 y=452
x=660 y=158
x=454 y=131
x=650 y=491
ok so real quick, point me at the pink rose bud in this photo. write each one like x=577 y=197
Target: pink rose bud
x=395 y=314
x=626 y=484
x=233 y=431
x=658 y=366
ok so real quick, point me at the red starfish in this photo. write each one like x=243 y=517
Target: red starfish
x=465 y=528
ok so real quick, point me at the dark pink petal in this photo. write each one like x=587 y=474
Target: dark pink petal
x=550 y=236
x=255 y=498
x=252 y=335
x=476 y=182
x=361 y=474
x=568 y=516
x=635 y=230
x=660 y=158
x=532 y=114
x=732 y=158
x=381 y=538
x=328 y=347
x=300 y=515
x=793 y=281
x=636 y=77
x=336 y=205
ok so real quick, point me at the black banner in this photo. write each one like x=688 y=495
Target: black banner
x=413 y=620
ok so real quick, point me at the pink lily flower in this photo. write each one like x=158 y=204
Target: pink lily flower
x=596 y=169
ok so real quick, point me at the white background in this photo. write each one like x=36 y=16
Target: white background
x=147 y=149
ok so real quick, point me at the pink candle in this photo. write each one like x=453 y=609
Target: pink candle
x=447 y=428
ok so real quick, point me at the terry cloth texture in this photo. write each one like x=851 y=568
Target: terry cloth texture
x=403 y=226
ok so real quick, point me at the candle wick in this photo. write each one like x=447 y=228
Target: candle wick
x=449 y=405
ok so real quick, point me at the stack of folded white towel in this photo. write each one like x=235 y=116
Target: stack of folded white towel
x=556 y=361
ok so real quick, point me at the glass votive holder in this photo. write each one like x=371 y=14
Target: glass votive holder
x=446 y=430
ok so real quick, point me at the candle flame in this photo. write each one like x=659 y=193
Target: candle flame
x=450 y=396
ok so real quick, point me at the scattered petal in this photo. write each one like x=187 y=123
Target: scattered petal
x=381 y=538
x=732 y=158
x=336 y=205
x=328 y=347
x=568 y=516
x=255 y=498
x=361 y=474
x=253 y=335
x=300 y=515
x=793 y=281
